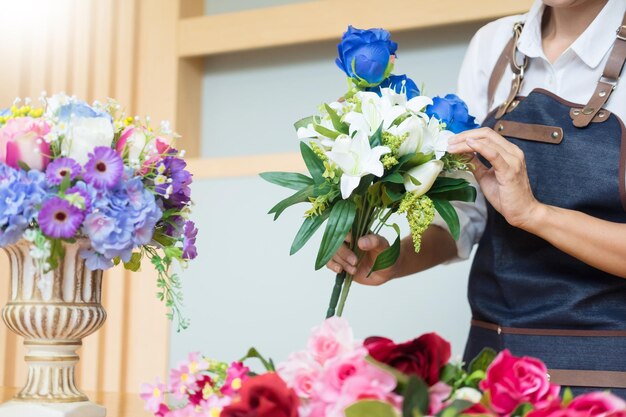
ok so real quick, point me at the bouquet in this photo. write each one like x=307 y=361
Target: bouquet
x=70 y=171
x=339 y=376
x=379 y=150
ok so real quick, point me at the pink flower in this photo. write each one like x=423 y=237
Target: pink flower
x=197 y=363
x=597 y=404
x=22 y=140
x=153 y=395
x=236 y=375
x=333 y=338
x=214 y=405
x=182 y=381
x=512 y=381
x=188 y=411
x=300 y=372
x=438 y=394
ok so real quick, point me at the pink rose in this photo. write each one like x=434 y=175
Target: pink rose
x=437 y=395
x=300 y=372
x=333 y=338
x=22 y=140
x=598 y=404
x=512 y=381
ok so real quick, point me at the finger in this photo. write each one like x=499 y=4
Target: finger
x=345 y=265
x=334 y=266
x=474 y=133
x=346 y=255
x=348 y=238
x=490 y=153
x=478 y=168
x=373 y=243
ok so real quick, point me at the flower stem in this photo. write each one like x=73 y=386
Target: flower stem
x=334 y=297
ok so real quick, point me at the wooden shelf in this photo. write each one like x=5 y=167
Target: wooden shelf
x=324 y=20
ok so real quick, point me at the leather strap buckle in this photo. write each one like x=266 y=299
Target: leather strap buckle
x=611 y=82
x=621 y=32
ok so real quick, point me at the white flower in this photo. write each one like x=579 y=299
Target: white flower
x=84 y=134
x=468 y=394
x=435 y=139
x=425 y=174
x=356 y=159
x=413 y=128
x=375 y=110
x=418 y=104
x=135 y=144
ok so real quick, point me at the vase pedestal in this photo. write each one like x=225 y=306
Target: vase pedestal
x=16 y=408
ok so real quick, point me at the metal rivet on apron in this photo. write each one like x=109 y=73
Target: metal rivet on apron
x=499 y=330
x=500 y=128
x=555 y=135
x=588 y=110
x=576 y=112
x=601 y=114
x=548 y=375
x=515 y=103
x=602 y=93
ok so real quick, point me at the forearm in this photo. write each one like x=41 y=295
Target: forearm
x=599 y=243
x=438 y=246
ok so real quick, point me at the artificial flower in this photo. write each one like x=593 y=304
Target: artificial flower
x=265 y=395
x=153 y=395
x=59 y=219
x=22 y=142
x=60 y=168
x=420 y=179
x=104 y=168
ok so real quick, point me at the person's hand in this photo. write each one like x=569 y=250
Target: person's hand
x=346 y=260
x=506 y=183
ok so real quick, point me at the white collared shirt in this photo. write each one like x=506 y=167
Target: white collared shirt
x=573 y=77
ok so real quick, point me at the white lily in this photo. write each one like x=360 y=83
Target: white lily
x=356 y=159
x=425 y=174
x=413 y=127
x=375 y=111
x=418 y=104
x=435 y=139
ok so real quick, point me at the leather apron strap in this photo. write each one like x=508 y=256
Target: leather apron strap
x=569 y=377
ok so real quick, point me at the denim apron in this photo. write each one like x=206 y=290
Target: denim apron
x=526 y=295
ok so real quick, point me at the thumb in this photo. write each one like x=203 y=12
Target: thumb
x=373 y=243
x=479 y=169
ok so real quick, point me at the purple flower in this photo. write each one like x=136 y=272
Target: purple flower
x=84 y=191
x=190 y=231
x=94 y=260
x=60 y=219
x=104 y=168
x=61 y=167
x=175 y=191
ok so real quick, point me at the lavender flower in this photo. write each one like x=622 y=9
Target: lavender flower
x=60 y=219
x=175 y=190
x=61 y=167
x=104 y=168
x=190 y=231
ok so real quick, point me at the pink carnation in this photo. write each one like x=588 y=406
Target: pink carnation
x=512 y=380
x=300 y=372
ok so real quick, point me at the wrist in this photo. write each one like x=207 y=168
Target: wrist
x=536 y=218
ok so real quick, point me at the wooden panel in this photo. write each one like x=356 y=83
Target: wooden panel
x=189 y=105
x=325 y=20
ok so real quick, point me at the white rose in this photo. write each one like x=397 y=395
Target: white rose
x=468 y=394
x=84 y=134
x=425 y=174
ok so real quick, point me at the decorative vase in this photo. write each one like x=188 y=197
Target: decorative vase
x=53 y=312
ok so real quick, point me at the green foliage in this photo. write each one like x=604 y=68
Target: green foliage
x=268 y=364
x=299 y=197
x=420 y=213
x=313 y=163
x=568 y=396
x=522 y=410
x=415 y=398
x=377 y=137
x=483 y=360
x=339 y=223
x=290 y=180
x=339 y=126
x=455 y=409
x=307 y=230
x=306 y=121
x=134 y=264
x=390 y=255
x=449 y=215
x=370 y=408
x=169 y=286
x=326 y=132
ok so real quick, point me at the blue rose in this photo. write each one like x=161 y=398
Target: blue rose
x=453 y=112
x=365 y=55
x=400 y=84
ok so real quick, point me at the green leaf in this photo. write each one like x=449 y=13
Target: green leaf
x=412 y=160
x=467 y=193
x=339 y=224
x=455 y=409
x=390 y=255
x=393 y=177
x=443 y=184
x=451 y=373
x=391 y=194
x=134 y=264
x=326 y=132
x=23 y=165
x=299 y=197
x=339 y=126
x=568 y=396
x=522 y=410
x=377 y=137
x=415 y=398
x=65 y=183
x=306 y=121
x=313 y=163
x=291 y=180
x=308 y=229
x=371 y=408
x=449 y=215
x=254 y=354
x=482 y=361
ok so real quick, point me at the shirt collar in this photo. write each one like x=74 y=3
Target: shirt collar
x=591 y=46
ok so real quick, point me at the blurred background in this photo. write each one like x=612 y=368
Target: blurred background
x=233 y=76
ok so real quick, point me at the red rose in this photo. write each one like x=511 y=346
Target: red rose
x=423 y=357
x=266 y=395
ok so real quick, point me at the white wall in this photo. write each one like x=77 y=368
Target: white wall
x=244 y=289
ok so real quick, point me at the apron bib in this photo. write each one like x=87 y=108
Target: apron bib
x=526 y=295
